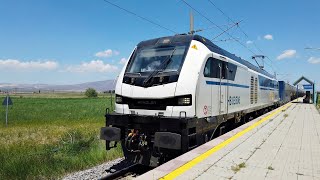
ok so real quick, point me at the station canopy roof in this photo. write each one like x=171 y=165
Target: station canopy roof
x=303 y=78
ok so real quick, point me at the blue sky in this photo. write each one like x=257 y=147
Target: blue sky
x=74 y=41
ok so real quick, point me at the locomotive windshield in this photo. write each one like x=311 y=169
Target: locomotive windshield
x=151 y=59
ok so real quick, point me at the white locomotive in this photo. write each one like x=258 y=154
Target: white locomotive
x=176 y=92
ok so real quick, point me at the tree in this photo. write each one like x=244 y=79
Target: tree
x=90 y=92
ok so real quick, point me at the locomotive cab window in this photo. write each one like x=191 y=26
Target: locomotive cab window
x=149 y=59
x=215 y=67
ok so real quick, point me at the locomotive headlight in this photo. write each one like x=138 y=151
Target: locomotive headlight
x=184 y=101
x=119 y=99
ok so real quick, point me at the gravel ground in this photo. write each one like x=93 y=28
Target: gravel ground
x=97 y=171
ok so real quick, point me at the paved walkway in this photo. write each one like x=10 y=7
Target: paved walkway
x=286 y=145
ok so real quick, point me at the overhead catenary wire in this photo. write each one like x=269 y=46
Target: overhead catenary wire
x=211 y=2
x=235 y=24
x=217 y=26
x=139 y=16
x=170 y=30
x=212 y=27
x=224 y=40
x=228 y=17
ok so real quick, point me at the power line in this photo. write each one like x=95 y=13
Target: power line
x=212 y=27
x=141 y=17
x=217 y=26
x=224 y=40
x=236 y=24
x=224 y=31
x=240 y=30
x=227 y=17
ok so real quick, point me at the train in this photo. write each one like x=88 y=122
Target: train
x=178 y=92
x=288 y=92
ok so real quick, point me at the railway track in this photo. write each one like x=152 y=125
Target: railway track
x=129 y=172
x=122 y=169
x=116 y=169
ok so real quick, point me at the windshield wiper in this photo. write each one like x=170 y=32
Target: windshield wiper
x=134 y=73
x=162 y=66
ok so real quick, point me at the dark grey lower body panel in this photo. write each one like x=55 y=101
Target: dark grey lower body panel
x=152 y=140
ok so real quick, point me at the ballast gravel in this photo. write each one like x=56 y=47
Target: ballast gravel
x=96 y=172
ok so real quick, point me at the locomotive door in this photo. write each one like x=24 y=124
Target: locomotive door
x=204 y=95
x=223 y=88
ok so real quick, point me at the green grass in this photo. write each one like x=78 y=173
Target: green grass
x=54 y=95
x=238 y=167
x=270 y=168
x=49 y=137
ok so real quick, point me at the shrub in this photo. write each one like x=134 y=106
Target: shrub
x=90 y=92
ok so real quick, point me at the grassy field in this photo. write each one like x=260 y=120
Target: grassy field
x=59 y=95
x=49 y=136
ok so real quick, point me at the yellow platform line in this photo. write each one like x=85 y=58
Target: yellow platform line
x=205 y=155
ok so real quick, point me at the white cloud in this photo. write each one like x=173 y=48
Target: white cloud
x=268 y=37
x=314 y=60
x=287 y=54
x=107 y=53
x=116 y=53
x=27 y=65
x=122 y=61
x=249 y=42
x=92 y=66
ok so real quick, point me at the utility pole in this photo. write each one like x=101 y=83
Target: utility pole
x=191 y=24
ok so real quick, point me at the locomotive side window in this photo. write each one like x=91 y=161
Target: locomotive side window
x=232 y=69
x=216 y=69
x=265 y=82
x=214 y=66
x=223 y=69
x=208 y=68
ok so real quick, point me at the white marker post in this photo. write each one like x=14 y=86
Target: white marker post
x=7 y=110
x=7 y=101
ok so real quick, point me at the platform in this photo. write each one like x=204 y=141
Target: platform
x=282 y=144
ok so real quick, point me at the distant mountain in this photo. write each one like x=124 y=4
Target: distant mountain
x=97 y=85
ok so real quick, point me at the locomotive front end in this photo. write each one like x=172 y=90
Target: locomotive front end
x=153 y=122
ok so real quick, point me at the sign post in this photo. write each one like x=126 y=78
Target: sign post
x=7 y=101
